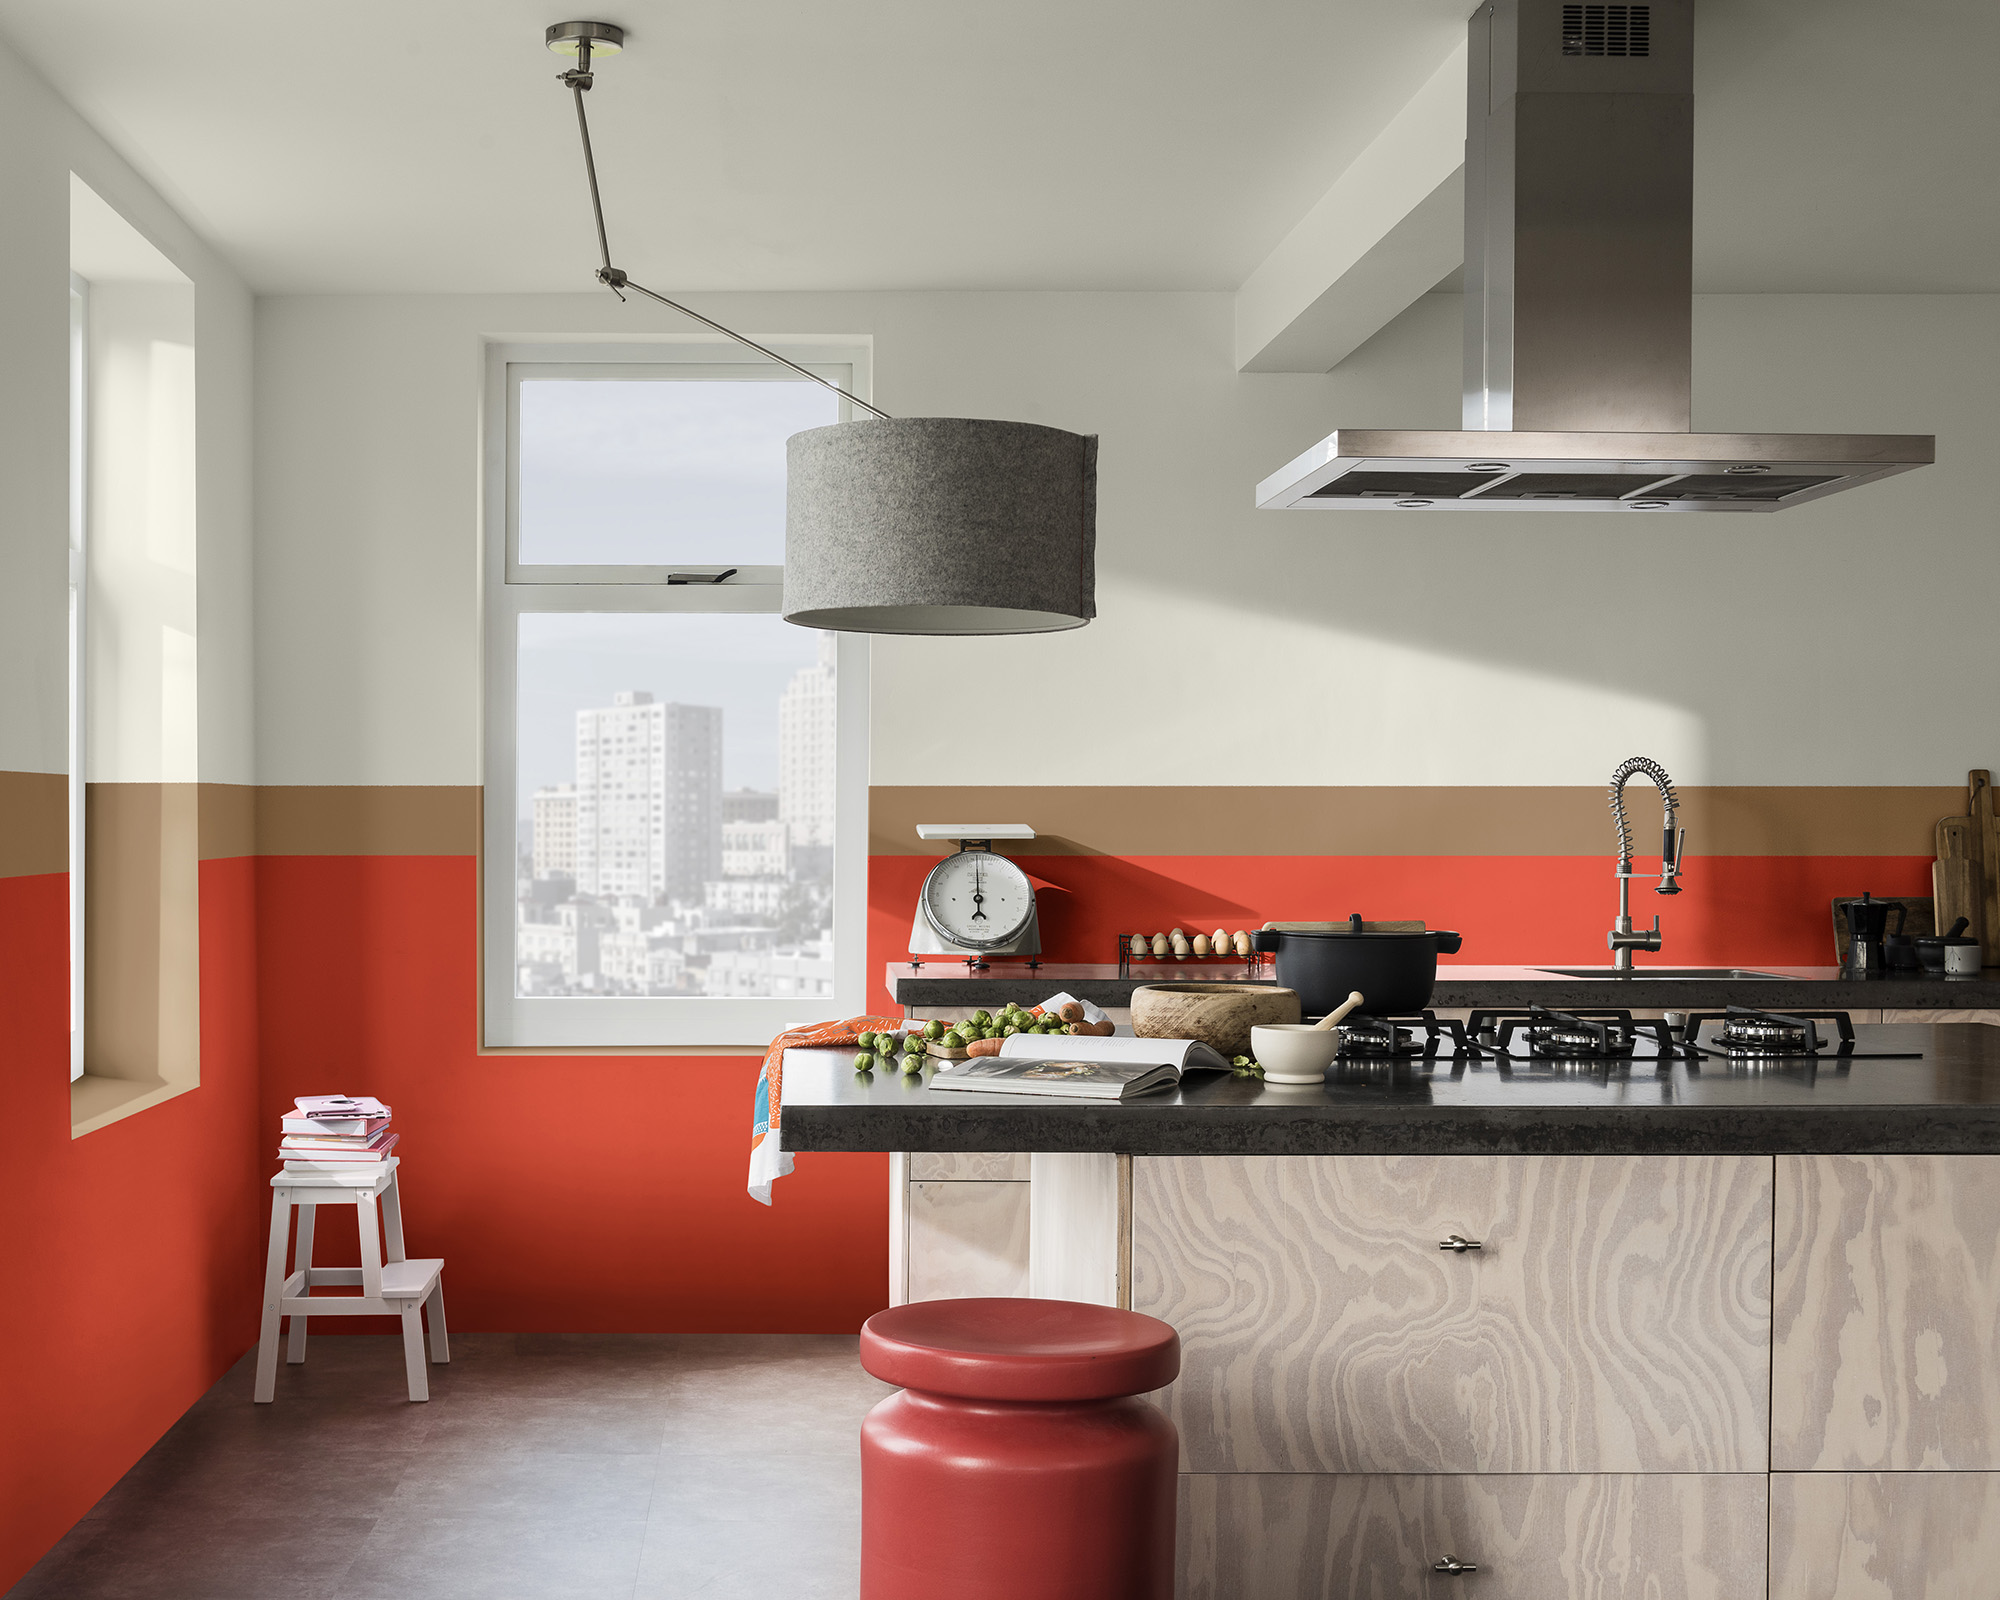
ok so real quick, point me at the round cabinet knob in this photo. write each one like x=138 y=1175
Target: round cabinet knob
x=1459 y=1244
x=1453 y=1566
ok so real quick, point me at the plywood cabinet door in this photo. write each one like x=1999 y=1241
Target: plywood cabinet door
x=968 y=1167
x=1616 y=1318
x=1887 y=1317
x=1259 y=1536
x=1885 y=1536
x=967 y=1239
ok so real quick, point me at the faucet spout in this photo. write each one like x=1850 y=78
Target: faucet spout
x=1623 y=939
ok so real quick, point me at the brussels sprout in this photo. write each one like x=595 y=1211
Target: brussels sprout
x=865 y=1062
x=865 y=1040
x=912 y=1065
x=954 y=1040
x=913 y=1044
x=934 y=1029
x=982 y=1017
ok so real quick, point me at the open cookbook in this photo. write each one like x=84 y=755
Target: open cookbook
x=1085 y=1069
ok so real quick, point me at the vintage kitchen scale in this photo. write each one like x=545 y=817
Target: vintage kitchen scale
x=975 y=904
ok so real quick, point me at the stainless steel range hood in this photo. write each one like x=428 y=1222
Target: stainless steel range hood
x=1579 y=220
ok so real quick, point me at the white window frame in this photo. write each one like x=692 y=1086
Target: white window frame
x=510 y=589
x=79 y=651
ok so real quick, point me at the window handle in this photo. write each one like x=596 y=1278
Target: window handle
x=700 y=577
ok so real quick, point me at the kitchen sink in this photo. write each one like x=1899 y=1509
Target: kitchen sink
x=1660 y=972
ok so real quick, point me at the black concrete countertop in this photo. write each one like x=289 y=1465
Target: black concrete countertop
x=942 y=983
x=1946 y=1101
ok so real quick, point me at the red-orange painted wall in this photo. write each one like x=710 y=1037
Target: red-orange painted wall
x=1511 y=909
x=131 y=1253
x=577 y=1193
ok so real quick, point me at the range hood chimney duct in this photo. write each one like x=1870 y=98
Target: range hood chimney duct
x=1579 y=217
x=1579 y=233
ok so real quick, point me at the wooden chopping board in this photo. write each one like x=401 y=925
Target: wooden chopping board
x=1981 y=785
x=1957 y=885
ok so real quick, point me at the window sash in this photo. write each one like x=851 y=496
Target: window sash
x=706 y=364
x=508 y=1020
x=79 y=702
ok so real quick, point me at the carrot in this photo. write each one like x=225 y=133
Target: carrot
x=1071 y=1012
x=984 y=1047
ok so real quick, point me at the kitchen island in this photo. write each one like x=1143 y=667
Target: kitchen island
x=1675 y=1328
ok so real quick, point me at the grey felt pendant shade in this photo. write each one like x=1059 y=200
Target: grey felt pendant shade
x=940 y=525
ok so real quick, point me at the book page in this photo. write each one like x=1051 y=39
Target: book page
x=1186 y=1055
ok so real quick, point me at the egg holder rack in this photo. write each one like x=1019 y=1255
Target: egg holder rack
x=1229 y=967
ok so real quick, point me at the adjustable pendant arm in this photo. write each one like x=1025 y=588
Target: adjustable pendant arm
x=578 y=79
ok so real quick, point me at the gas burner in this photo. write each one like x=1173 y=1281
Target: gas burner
x=1370 y=1036
x=1741 y=1036
x=1583 y=1035
x=1553 y=1040
x=1418 y=1034
x=1747 y=1032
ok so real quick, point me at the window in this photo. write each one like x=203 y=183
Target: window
x=675 y=776
x=135 y=1031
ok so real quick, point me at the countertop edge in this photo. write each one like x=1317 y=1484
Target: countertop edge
x=1243 y=1131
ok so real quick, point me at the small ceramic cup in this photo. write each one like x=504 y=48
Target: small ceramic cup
x=1961 y=960
x=1294 y=1052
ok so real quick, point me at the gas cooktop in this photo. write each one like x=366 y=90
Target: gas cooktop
x=1606 y=1036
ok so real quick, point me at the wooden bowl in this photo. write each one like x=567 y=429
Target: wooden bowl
x=1220 y=1015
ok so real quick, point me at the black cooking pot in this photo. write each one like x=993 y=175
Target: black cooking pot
x=1394 y=971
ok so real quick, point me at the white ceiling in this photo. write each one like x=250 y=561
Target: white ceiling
x=862 y=144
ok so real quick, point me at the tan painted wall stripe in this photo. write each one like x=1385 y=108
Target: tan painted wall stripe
x=1419 y=821
x=228 y=820
x=384 y=819
x=34 y=823
x=367 y=820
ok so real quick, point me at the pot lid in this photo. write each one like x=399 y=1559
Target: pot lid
x=1354 y=927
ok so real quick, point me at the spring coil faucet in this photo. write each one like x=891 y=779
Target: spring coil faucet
x=1622 y=940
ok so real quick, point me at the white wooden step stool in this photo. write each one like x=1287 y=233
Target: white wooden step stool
x=396 y=1287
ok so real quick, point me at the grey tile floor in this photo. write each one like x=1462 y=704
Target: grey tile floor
x=544 y=1467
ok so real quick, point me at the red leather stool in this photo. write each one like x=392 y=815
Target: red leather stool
x=1015 y=1465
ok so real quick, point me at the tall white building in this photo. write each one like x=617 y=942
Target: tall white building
x=555 y=831
x=805 y=750
x=648 y=797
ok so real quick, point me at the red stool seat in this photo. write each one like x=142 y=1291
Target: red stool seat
x=1020 y=1349
x=1016 y=1462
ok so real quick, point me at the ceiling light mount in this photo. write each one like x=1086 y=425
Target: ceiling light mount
x=570 y=38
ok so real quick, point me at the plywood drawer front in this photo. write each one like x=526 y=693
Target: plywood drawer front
x=967 y=1239
x=1616 y=1320
x=1885 y=1536
x=1888 y=1314
x=968 y=1166
x=1290 y=1536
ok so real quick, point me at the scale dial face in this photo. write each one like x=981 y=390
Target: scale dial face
x=977 y=900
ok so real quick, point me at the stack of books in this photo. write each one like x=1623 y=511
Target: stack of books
x=336 y=1133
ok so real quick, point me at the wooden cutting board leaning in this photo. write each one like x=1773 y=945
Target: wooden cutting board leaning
x=1965 y=878
x=1980 y=785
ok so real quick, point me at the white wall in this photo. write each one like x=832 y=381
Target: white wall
x=1231 y=646
x=45 y=141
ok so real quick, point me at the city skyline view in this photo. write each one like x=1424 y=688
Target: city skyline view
x=649 y=868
